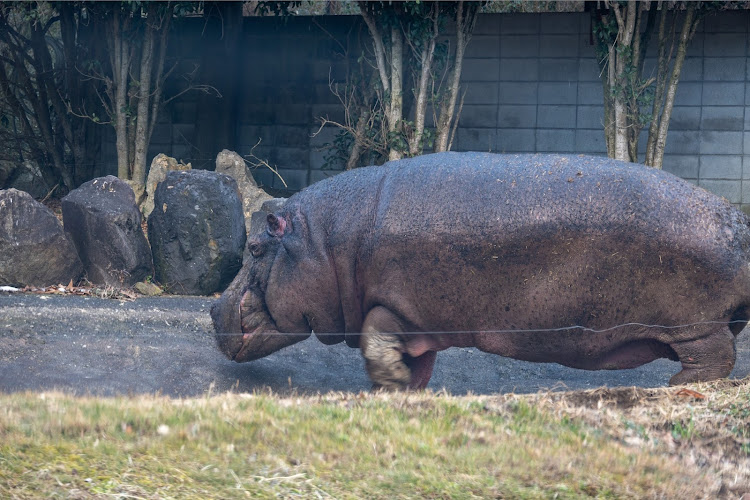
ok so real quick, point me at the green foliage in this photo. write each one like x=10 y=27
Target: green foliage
x=512 y=6
x=639 y=429
x=276 y=8
x=337 y=151
x=683 y=431
x=738 y=414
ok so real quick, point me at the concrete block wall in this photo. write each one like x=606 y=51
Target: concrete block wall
x=532 y=85
x=286 y=88
x=539 y=71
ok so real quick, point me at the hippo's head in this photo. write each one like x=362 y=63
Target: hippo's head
x=245 y=329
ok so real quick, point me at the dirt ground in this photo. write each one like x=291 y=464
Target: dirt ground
x=88 y=345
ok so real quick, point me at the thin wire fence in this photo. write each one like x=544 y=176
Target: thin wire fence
x=512 y=331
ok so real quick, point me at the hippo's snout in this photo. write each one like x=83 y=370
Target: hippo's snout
x=241 y=327
x=245 y=331
x=227 y=326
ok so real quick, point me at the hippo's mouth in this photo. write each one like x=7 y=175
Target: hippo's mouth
x=258 y=329
x=260 y=335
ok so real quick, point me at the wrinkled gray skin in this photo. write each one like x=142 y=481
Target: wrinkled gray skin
x=457 y=249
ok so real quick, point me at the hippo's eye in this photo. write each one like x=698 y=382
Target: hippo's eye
x=256 y=249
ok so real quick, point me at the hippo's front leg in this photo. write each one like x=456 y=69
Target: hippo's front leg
x=384 y=352
x=709 y=357
x=387 y=358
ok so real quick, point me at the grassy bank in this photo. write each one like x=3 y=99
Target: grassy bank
x=618 y=443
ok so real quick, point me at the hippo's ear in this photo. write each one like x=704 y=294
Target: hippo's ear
x=276 y=225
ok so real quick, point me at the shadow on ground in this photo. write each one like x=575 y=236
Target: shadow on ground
x=86 y=345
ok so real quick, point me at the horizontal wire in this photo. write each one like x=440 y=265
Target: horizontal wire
x=447 y=332
x=505 y=331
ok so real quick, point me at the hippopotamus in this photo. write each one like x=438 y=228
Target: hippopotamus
x=583 y=261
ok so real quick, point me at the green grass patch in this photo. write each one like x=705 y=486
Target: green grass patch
x=351 y=446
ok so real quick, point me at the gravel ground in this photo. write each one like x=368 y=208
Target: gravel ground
x=87 y=345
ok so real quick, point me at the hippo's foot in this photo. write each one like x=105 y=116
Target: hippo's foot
x=707 y=358
x=386 y=360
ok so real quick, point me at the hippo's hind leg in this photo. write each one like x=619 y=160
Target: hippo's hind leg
x=709 y=357
x=384 y=352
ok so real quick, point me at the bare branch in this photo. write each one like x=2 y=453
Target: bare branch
x=426 y=57
x=688 y=30
x=465 y=21
x=377 y=40
x=256 y=162
x=455 y=121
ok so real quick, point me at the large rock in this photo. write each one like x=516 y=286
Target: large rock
x=160 y=166
x=34 y=249
x=253 y=197
x=24 y=177
x=197 y=232
x=104 y=222
x=7 y=169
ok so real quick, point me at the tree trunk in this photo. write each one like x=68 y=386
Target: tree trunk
x=73 y=37
x=380 y=129
x=688 y=30
x=379 y=48
x=465 y=21
x=661 y=72
x=426 y=57
x=120 y=69
x=621 y=131
x=48 y=174
x=357 y=146
x=624 y=40
x=395 y=113
x=142 y=122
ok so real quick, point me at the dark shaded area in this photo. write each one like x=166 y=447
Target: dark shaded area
x=107 y=347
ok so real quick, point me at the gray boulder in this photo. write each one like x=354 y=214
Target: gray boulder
x=253 y=197
x=24 y=177
x=160 y=166
x=104 y=222
x=197 y=232
x=34 y=249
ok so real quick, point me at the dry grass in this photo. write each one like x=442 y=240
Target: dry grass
x=621 y=443
x=706 y=426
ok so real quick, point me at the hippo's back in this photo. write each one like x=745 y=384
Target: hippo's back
x=462 y=197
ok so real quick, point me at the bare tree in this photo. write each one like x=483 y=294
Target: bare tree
x=40 y=50
x=666 y=80
x=137 y=44
x=57 y=83
x=633 y=100
x=466 y=18
x=134 y=76
x=383 y=119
